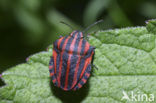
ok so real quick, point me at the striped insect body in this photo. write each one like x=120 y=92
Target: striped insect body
x=70 y=65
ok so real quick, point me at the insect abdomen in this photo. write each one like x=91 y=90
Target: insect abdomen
x=71 y=60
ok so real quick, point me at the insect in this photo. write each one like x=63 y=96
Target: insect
x=70 y=65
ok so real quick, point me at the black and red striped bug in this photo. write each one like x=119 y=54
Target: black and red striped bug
x=70 y=65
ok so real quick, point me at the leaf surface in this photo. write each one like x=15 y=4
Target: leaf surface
x=126 y=61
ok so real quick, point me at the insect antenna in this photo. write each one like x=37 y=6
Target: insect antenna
x=67 y=25
x=92 y=25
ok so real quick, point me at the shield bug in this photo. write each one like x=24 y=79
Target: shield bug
x=70 y=65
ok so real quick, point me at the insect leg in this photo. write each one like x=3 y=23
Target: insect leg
x=95 y=66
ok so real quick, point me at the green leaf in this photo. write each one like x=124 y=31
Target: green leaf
x=151 y=26
x=126 y=61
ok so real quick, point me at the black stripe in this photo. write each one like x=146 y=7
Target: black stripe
x=83 y=61
x=73 y=62
x=74 y=33
x=63 y=40
x=51 y=61
x=81 y=65
x=83 y=47
x=52 y=70
x=55 y=43
x=88 y=70
x=59 y=56
x=55 y=46
x=79 y=35
x=89 y=52
x=64 y=62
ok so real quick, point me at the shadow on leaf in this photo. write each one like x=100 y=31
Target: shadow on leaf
x=70 y=96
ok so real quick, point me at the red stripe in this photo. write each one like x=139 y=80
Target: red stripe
x=77 y=64
x=86 y=48
x=72 y=33
x=84 y=80
x=87 y=74
x=79 y=85
x=60 y=65
x=85 y=51
x=54 y=80
x=54 y=52
x=51 y=74
x=55 y=57
x=50 y=67
x=69 y=59
x=59 y=42
x=88 y=61
x=81 y=34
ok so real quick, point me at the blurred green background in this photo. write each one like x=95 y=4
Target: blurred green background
x=29 y=26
